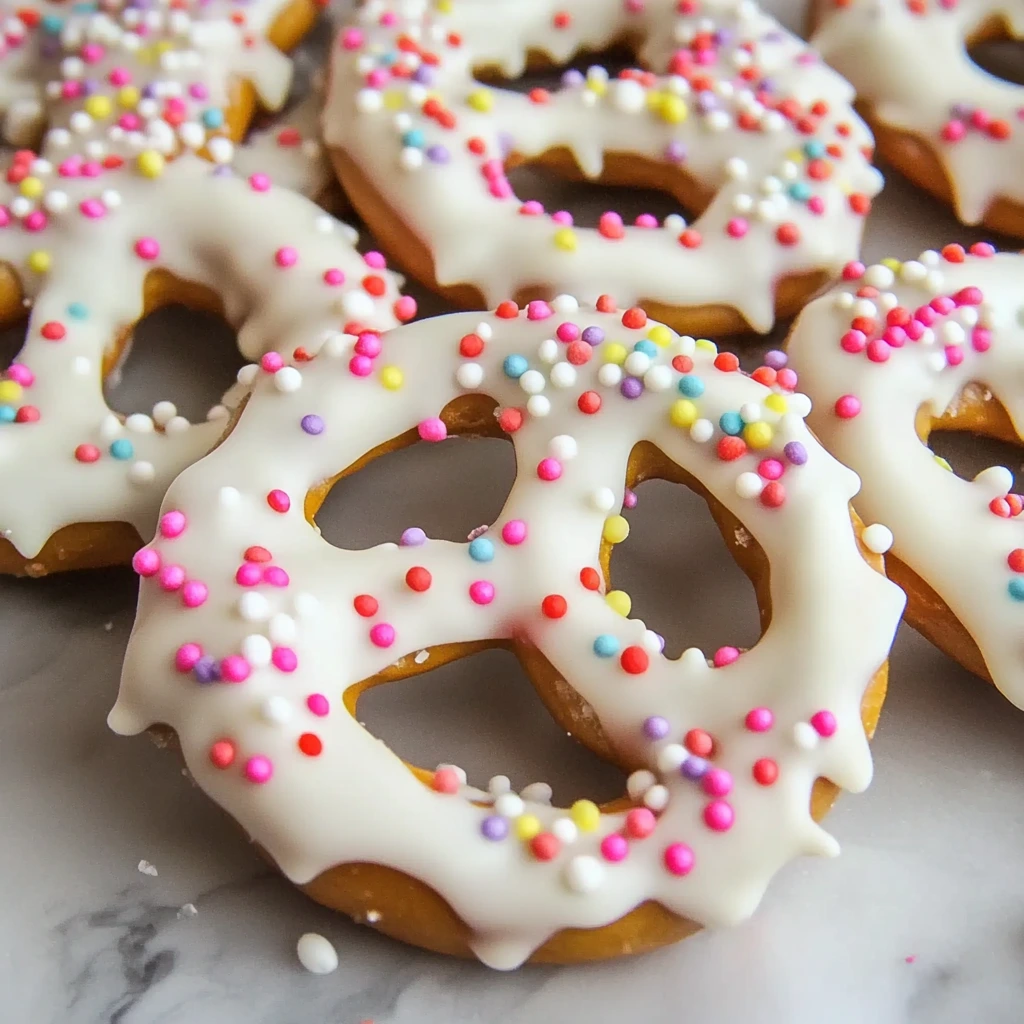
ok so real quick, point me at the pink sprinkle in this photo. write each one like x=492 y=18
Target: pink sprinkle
x=853 y=271
x=969 y=296
x=334 y=277
x=981 y=339
x=279 y=501
x=481 y=592
x=275 y=576
x=678 y=859
x=194 y=594
x=172 y=524
x=368 y=344
x=375 y=260
x=92 y=53
x=614 y=847
x=725 y=656
x=351 y=39
x=119 y=76
x=492 y=170
x=549 y=469
x=271 y=362
x=646 y=220
x=259 y=769
x=382 y=635
x=35 y=221
x=92 y=208
x=538 y=310
x=719 y=816
x=567 y=332
x=5 y=216
x=759 y=719
x=446 y=780
x=531 y=208
x=717 y=782
x=879 y=350
x=563 y=218
x=235 y=669
x=610 y=225
x=147 y=248
x=186 y=656
x=284 y=659
x=514 y=532
x=895 y=336
x=926 y=315
x=286 y=256
x=405 y=308
x=259 y=182
x=770 y=469
x=915 y=330
x=816 y=204
x=953 y=131
x=640 y=823
x=146 y=562
x=737 y=227
x=432 y=429
x=910 y=959
x=129 y=122
x=786 y=378
x=21 y=374
x=377 y=78
x=360 y=366
x=847 y=407
x=824 y=723
x=248 y=575
x=500 y=189
x=171 y=577
x=318 y=704
x=943 y=305
x=954 y=355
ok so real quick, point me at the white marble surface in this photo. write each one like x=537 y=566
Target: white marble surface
x=920 y=920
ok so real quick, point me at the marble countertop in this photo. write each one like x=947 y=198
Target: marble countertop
x=129 y=898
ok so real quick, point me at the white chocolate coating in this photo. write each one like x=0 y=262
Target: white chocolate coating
x=461 y=207
x=833 y=620
x=943 y=527
x=910 y=63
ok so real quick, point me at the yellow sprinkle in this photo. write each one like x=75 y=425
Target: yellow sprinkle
x=758 y=435
x=39 y=261
x=526 y=826
x=444 y=6
x=660 y=335
x=144 y=55
x=615 y=353
x=796 y=156
x=32 y=188
x=673 y=109
x=943 y=463
x=597 y=85
x=654 y=100
x=98 y=107
x=619 y=601
x=708 y=346
x=777 y=403
x=683 y=413
x=565 y=238
x=163 y=46
x=481 y=100
x=585 y=815
x=392 y=378
x=128 y=97
x=616 y=529
x=892 y=263
x=10 y=391
x=393 y=100
x=150 y=163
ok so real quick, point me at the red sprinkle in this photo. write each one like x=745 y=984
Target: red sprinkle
x=418 y=579
x=365 y=605
x=554 y=606
x=634 y=660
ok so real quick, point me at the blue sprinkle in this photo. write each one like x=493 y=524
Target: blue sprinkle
x=606 y=646
x=815 y=149
x=515 y=366
x=415 y=138
x=692 y=387
x=213 y=117
x=7 y=413
x=122 y=449
x=647 y=347
x=800 y=191
x=731 y=423
x=78 y=310
x=1016 y=589
x=481 y=549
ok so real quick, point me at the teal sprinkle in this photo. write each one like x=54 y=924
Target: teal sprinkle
x=800 y=191
x=78 y=310
x=1016 y=589
x=481 y=549
x=814 y=149
x=7 y=413
x=122 y=449
x=414 y=138
x=692 y=387
x=213 y=117
x=606 y=646
x=52 y=24
x=387 y=59
x=731 y=423
x=647 y=347
x=515 y=366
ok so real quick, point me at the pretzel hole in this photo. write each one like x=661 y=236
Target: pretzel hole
x=480 y=712
x=973 y=433
x=993 y=47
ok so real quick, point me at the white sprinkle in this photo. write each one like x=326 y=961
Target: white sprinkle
x=603 y=499
x=805 y=736
x=229 y=496
x=877 y=538
x=176 y=425
x=628 y=95
x=652 y=642
x=411 y=158
x=276 y=710
x=749 y=485
x=998 y=478
x=509 y=805
x=565 y=830
x=141 y=472
x=470 y=376
x=563 y=447
x=221 y=150
x=639 y=782
x=798 y=404
x=750 y=412
x=256 y=649
x=247 y=374
x=55 y=201
x=287 y=379
x=736 y=168
x=369 y=101
x=879 y=276
x=547 y=351
x=563 y=375
x=913 y=271
x=282 y=629
x=164 y=412
x=674 y=224
x=140 y=423
x=110 y=426
x=693 y=658
x=702 y=430
x=484 y=330
x=146 y=868
x=656 y=798
x=637 y=364
x=609 y=375
x=357 y=305
x=253 y=607
x=565 y=304
x=316 y=954
x=538 y=792
x=670 y=757
x=658 y=378
x=532 y=382
x=538 y=406
x=584 y=874
x=951 y=333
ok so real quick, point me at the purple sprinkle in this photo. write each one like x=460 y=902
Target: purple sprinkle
x=706 y=102
x=494 y=827
x=506 y=143
x=593 y=335
x=675 y=152
x=438 y=154
x=572 y=79
x=222 y=171
x=149 y=92
x=413 y=537
x=767 y=85
x=775 y=359
x=795 y=452
x=629 y=499
x=656 y=727
x=693 y=768
x=661 y=642
x=961 y=111
x=632 y=387
x=312 y=424
x=424 y=75
x=206 y=670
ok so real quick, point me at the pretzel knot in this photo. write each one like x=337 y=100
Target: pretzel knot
x=255 y=637
x=730 y=113
x=117 y=215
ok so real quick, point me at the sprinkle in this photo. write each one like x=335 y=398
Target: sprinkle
x=614 y=848
x=481 y=592
x=514 y=532
x=382 y=634
x=316 y=953
x=678 y=859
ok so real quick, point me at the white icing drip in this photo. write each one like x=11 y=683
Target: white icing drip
x=918 y=87
x=477 y=238
x=941 y=525
x=833 y=619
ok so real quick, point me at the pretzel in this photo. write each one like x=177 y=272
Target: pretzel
x=736 y=119
x=103 y=226
x=940 y=120
x=257 y=659
x=899 y=350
